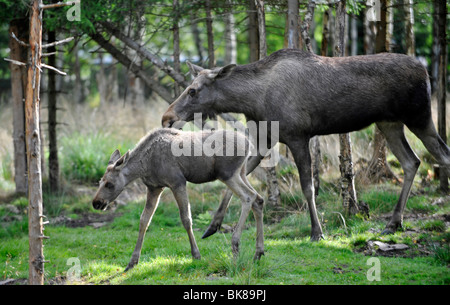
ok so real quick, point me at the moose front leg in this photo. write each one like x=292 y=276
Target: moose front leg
x=300 y=150
x=153 y=195
x=181 y=197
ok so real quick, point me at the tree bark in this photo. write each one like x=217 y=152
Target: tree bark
x=35 y=208
x=409 y=27
x=253 y=35
x=307 y=24
x=176 y=44
x=18 y=84
x=345 y=158
x=273 y=191
x=53 y=163
x=230 y=35
x=209 y=32
x=441 y=19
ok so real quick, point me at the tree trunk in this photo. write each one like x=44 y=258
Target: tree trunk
x=307 y=24
x=53 y=164
x=230 y=35
x=209 y=31
x=273 y=191
x=253 y=35
x=325 y=33
x=345 y=158
x=176 y=44
x=369 y=31
x=292 y=34
x=409 y=27
x=18 y=84
x=35 y=208
x=196 y=34
x=441 y=14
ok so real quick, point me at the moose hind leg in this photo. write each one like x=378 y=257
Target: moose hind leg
x=395 y=137
x=435 y=145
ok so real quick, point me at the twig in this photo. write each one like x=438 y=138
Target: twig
x=53 y=68
x=19 y=41
x=57 y=42
x=48 y=54
x=59 y=4
x=19 y=63
x=343 y=221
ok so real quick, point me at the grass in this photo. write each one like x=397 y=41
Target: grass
x=290 y=258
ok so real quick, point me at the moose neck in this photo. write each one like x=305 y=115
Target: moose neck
x=242 y=91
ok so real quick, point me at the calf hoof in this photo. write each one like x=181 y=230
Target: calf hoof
x=258 y=255
x=211 y=230
x=130 y=266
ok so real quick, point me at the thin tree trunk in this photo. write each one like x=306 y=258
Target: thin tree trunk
x=209 y=31
x=346 y=165
x=369 y=31
x=409 y=27
x=441 y=19
x=253 y=35
x=325 y=33
x=176 y=44
x=196 y=34
x=230 y=35
x=35 y=207
x=53 y=163
x=273 y=191
x=307 y=24
x=354 y=35
x=18 y=84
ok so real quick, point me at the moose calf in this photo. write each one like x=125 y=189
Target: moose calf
x=170 y=158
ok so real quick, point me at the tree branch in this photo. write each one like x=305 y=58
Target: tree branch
x=53 y=68
x=59 y=4
x=57 y=42
x=24 y=44
x=19 y=63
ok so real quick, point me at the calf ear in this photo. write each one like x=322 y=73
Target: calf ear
x=122 y=161
x=194 y=69
x=114 y=157
x=221 y=72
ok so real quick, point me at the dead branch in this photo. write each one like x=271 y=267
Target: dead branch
x=53 y=68
x=48 y=45
x=24 y=44
x=48 y=54
x=59 y=4
x=19 y=63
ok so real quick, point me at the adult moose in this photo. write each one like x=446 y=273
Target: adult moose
x=312 y=95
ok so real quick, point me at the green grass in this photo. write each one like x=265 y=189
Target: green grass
x=290 y=258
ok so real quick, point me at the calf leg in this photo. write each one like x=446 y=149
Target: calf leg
x=181 y=197
x=302 y=157
x=395 y=137
x=215 y=224
x=153 y=195
x=247 y=197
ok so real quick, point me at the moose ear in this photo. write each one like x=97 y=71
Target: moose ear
x=122 y=161
x=114 y=157
x=194 y=69
x=221 y=72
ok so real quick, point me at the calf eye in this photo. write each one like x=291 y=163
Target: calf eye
x=192 y=92
x=109 y=185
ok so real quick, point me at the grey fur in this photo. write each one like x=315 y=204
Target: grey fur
x=312 y=95
x=153 y=161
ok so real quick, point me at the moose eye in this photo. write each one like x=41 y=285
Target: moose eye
x=192 y=92
x=109 y=185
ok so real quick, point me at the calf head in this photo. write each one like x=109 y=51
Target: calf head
x=112 y=182
x=199 y=97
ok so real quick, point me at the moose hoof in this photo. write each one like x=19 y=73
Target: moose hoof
x=317 y=237
x=210 y=231
x=258 y=255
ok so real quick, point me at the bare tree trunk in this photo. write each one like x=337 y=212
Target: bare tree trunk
x=409 y=27
x=253 y=36
x=378 y=168
x=176 y=44
x=441 y=19
x=389 y=24
x=325 y=33
x=292 y=34
x=345 y=158
x=196 y=34
x=209 y=30
x=354 y=35
x=230 y=35
x=35 y=207
x=261 y=28
x=306 y=25
x=369 y=31
x=53 y=163
x=18 y=84
x=78 y=87
x=273 y=191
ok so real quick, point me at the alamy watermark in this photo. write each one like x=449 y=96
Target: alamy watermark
x=74 y=272
x=74 y=13
x=374 y=272
x=263 y=135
